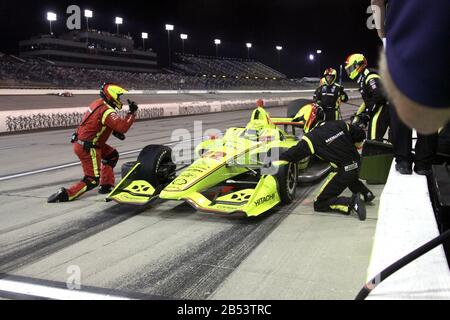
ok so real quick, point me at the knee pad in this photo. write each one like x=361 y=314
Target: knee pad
x=91 y=182
x=111 y=160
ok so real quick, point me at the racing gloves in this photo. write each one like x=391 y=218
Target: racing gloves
x=132 y=106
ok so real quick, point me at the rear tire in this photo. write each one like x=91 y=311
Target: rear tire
x=156 y=165
x=287 y=182
x=295 y=106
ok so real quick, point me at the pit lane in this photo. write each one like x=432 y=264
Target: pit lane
x=168 y=249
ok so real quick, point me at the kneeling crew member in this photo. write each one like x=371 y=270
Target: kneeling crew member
x=330 y=95
x=334 y=142
x=89 y=143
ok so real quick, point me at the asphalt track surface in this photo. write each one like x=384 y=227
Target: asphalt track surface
x=168 y=250
x=50 y=101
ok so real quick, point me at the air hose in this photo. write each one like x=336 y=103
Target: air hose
x=383 y=275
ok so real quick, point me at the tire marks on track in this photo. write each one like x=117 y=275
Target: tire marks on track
x=199 y=271
x=38 y=246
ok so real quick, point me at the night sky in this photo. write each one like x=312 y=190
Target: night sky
x=338 y=27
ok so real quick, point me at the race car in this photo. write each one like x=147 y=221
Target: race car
x=239 y=173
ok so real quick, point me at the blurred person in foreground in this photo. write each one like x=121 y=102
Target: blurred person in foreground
x=426 y=146
x=98 y=159
x=416 y=62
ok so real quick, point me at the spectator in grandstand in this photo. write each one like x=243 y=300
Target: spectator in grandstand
x=330 y=95
x=98 y=159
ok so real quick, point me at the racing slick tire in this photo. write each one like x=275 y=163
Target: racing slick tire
x=156 y=165
x=287 y=182
x=126 y=167
x=295 y=106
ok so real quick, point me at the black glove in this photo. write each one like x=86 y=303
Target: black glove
x=364 y=118
x=119 y=135
x=133 y=107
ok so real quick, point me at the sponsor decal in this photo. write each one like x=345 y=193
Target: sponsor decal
x=265 y=199
x=216 y=155
x=337 y=135
x=179 y=182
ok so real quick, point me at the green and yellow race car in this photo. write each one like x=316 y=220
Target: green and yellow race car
x=239 y=173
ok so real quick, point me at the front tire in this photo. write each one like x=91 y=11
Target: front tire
x=156 y=165
x=287 y=182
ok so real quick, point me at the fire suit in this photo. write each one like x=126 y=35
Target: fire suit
x=375 y=107
x=329 y=97
x=335 y=142
x=97 y=158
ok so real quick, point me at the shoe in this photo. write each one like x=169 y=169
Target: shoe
x=403 y=167
x=60 y=196
x=368 y=197
x=105 y=189
x=358 y=206
x=423 y=171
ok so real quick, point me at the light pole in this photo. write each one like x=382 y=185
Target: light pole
x=169 y=27
x=217 y=42
x=51 y=17
x=119 y=21
x=144 y=36
x=279 y=48
x=249 y=46
x=88 y=14
x=319 y=52
x=183 y=37
x=311 y=57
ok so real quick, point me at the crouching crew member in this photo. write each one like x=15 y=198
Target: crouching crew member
x=330 y=95
x=335 y=142
x=89 y=143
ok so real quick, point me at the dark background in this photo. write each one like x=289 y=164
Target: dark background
x=337 y=27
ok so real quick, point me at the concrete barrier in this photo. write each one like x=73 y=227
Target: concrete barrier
x=24 y=120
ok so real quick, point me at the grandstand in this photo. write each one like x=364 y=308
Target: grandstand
x=228 y=67
x=90 y=49
x=85 y=59
x=44 y=73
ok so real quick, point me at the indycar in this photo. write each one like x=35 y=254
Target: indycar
x=238 y=173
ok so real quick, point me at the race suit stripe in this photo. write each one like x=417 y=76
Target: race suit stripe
x=94 y=163
x=329 y=178
x=310 y=145
x=373 y=133
x=78 y=193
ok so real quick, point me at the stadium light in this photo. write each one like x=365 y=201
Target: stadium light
x=88 y=14
x=144 y=36
x=119 y=21
x=183 y=37
x=318 y=60
x=217 y=42
x=279 y=48
x=51 y=16
x=311 y=57
x=249 y=46
x=169 y=27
